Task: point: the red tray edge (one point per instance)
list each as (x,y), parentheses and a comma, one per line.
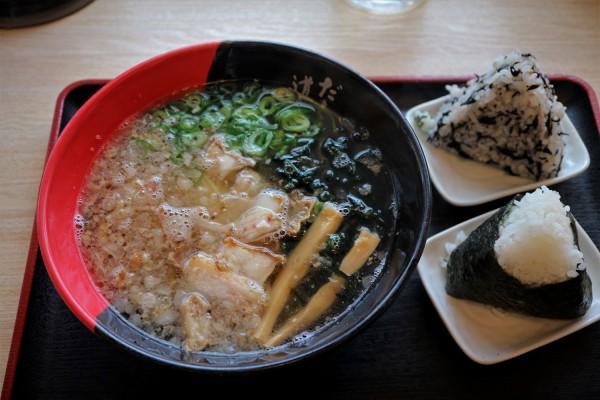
(15,346)
(591,94)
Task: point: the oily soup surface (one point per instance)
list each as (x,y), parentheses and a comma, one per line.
(191,213)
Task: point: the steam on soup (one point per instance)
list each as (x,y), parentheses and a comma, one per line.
(211,220)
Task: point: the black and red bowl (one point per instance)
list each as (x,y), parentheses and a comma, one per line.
(144,86)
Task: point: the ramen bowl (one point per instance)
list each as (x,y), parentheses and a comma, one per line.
(403,216)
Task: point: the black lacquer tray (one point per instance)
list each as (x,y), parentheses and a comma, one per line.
(407,353)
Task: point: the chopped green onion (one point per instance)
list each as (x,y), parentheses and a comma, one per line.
(295,122)
(283,138)
(316,210)
(245,110)
(226,108)
(211,117)
(163,118)
(188,124)
(195,139)
(144,144)
(194,102)
(257,143)
(262,123)
(284,94)
(297,107)
(267,105)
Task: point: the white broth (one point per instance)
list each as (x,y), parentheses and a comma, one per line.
(191,213)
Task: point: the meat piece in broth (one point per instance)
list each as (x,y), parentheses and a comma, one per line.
(299,210)
(248,181)
(219,162)
(256,263)
(275,200)
(195,312)
(178,222)
(230,207)
(221,285)
(190,230)
(258,224)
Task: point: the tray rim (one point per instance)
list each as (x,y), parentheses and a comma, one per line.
(33,251)
(591,94)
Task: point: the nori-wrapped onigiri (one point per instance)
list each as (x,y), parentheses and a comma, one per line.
(524,258)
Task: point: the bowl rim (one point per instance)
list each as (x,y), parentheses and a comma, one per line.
(87,311)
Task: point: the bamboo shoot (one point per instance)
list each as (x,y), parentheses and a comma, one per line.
(317,305)
(326,223)
(364,245)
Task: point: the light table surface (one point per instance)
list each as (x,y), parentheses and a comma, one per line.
(440,37)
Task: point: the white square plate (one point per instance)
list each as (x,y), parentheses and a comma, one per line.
(487,334)
(465,182)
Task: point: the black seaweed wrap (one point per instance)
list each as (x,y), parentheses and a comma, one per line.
(474,274)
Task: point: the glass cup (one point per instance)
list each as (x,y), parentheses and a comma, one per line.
(386,6)
(25,13)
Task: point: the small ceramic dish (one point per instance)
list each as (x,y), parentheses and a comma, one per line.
(489,335)
(464,182)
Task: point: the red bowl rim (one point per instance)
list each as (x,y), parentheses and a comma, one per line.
(60,186)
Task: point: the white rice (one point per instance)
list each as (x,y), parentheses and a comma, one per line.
(508,117)
(536,243)
(449,247)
